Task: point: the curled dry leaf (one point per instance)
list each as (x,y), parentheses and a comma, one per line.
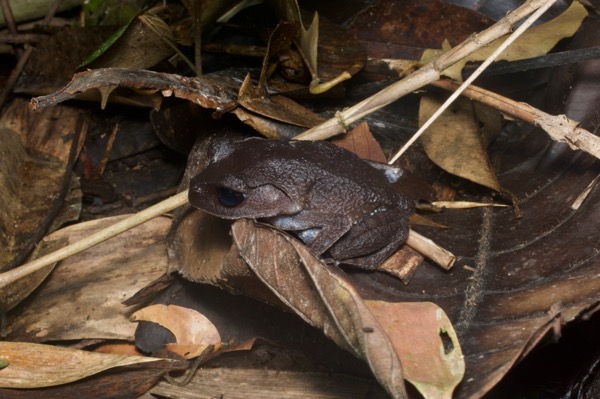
(277,107)
(323,297)
(192,330)
(216,91)
(37,366)
(257,245)
(330,53)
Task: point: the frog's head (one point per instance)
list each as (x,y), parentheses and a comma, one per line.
(239,184)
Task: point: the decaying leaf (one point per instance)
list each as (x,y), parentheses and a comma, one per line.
(308,42)
(216,91)
(277,107)
(37,366)
(360,141)
(323,297)
(192,330)
(12,294)
(454,142)
(140,44)
(425,340)
(100,279)
(34,167)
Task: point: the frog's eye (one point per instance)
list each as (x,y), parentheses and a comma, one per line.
(230,198)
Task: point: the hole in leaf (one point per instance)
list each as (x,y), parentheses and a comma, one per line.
(446,342)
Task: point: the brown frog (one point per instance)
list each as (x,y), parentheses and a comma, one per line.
(339,205)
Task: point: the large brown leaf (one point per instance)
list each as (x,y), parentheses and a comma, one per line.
(35,173)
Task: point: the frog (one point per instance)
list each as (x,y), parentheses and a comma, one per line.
(343,208)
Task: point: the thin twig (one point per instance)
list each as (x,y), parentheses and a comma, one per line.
(520,30)
(423,76)
(423,245)
(18,69)
(559,127)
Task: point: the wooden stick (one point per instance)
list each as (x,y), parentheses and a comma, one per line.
(423,76)
(509,40)
(431,250)
(425,246)
(100,236)
(559,127)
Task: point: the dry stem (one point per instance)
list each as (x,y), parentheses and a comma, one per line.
(94,239)
(425,246)
(559,127)
(425,75)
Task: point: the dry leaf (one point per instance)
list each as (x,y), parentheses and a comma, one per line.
(360,141)
(277,107)
(454,143)
(12,294)
(321,296)
(192,330)
(536,41)
(307,42)
(82,298)
(34,176)
(257,246)
(142,45)
(425,340)
(37,366)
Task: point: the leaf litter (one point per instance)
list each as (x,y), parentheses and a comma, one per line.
(487,297)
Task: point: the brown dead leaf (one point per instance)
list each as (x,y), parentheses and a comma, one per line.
(256,246)
(82,298)
(331,57)
(454,143)
(536,41)
(360,141)
(321,296)
(216,91)
(34,167)
(14,293)
(192,330)
(146,41)
(425,340)
(37,366)
(276,107)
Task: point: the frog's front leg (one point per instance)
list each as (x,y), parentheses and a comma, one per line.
(322,229)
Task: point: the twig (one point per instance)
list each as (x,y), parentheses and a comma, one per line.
(423,76)
(94,239)
(520,30)
(197,29)
(559,127)
(431,250)
(425,246)
(16,72)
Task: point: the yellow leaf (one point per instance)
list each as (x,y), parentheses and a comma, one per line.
(37,366)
